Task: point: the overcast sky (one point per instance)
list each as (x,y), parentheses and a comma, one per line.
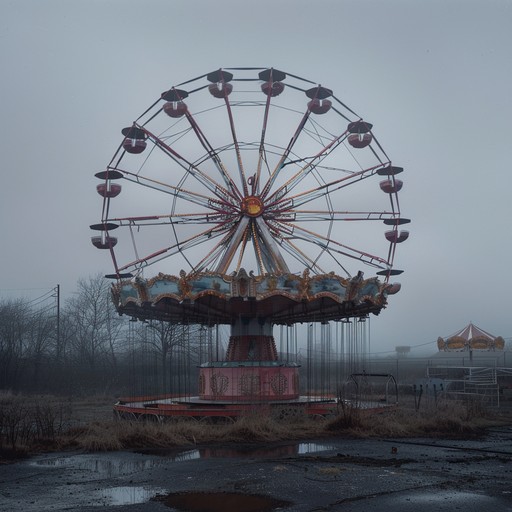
(434,76)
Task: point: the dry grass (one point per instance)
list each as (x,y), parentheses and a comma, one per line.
(448,419)
(88,425)
(118,435)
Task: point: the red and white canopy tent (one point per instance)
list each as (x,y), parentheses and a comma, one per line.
(470,337)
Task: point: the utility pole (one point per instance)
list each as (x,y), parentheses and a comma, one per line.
(57,295)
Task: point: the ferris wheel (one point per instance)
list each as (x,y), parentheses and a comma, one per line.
(250,168)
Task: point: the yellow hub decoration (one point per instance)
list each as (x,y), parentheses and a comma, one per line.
(252,206)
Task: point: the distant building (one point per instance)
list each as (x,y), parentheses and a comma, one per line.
(403,350)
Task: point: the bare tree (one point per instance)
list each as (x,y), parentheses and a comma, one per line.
(39,336)
(96,325)
(174,346)
(14,325)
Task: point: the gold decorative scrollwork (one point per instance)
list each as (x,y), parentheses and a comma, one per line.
(184,285)
(304,285)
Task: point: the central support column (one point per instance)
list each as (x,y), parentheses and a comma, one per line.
(252,371)
(251,340)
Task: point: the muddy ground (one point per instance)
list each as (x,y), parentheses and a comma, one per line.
(326,475)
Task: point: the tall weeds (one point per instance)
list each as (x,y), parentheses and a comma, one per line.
(26,422)
(29,424)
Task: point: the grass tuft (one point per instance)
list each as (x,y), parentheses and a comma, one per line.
(37,424)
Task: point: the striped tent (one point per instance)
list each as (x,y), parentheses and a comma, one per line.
(470,337)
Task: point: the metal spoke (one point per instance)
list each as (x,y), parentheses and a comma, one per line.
(230,251)
(272,258)
(237,147)
(219,204)
(285,155)
(327,188)
(190,168)
(322,216)
(256,180)
(329,244)
(214,156)
(216,253)
(172,250)
(309,166)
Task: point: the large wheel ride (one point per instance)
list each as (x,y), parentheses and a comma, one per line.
(269,196)
(250,168)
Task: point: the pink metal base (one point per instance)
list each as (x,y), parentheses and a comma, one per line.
(246,381)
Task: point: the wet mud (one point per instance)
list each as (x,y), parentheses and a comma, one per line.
(221,501)
(327,475)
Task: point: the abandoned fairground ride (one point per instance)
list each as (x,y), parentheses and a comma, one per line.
(275,197)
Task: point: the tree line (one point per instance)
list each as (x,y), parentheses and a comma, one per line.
(84,347)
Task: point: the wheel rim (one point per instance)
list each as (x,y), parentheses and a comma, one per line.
(250,168)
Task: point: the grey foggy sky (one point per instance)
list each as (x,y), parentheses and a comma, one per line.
(434,77)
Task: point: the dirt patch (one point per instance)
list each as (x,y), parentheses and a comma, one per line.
(221,502)
(362,461)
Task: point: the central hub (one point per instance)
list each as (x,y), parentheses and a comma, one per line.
(252,206)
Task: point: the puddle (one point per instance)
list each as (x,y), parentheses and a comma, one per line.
(125,495)
(107,465)
(187,455)
(222,502)
(457,499)
(304,448)
(249,451)
(114,464)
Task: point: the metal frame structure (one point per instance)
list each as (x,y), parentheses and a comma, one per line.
(262,160)
(260,169)
(466,382)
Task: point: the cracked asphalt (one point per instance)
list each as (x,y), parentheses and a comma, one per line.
(319,475)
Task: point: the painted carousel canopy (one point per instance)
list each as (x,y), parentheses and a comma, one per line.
(211,298)
(471,337)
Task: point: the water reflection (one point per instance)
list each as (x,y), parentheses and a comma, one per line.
(253,451)
(124,463)
(188,455)
(98,467)
(305,448)
(109,465)
(126,495)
